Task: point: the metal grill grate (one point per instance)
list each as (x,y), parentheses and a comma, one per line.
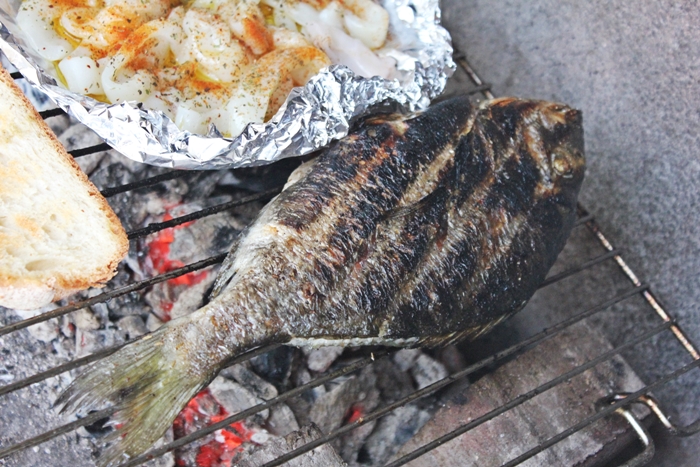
(618,402)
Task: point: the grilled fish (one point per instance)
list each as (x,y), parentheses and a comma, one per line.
(419,230)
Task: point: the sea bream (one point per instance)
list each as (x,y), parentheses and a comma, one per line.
(417,230)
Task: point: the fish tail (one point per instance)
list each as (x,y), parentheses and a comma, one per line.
(147,382)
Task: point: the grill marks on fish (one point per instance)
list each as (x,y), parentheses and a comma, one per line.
(333,220)
(436,220)
(416,286)
(367,174)
(508,222)
(431,301)
(423,230)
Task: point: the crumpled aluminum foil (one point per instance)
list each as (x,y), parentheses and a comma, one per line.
(313,115)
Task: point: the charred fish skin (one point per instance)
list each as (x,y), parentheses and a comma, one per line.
(317,230)
(463,258)
(419,230)
(514,204)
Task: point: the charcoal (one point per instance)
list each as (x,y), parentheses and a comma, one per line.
(451,358)
(131,327)
(88,342)
(162,297)
(261,178)
(202,184)
(40,100)
(97,429)
(173,191)
(85,320)
(134,207)
(211,406)
(225,235)
(155,203)
(192,298)
(127,304)
(301,406)
(167,459)
(176,301)
(153,322)
(405,358)
(59,123)
(79,137)
(63,348)
(181,245)
(5,376)
(67,326)
(130,304)
(330,410)
(45,331)
(319,360)
(393,431)
(110,175)
(349,444)
(235,398)
(346,402)
(275,366)
(242,374)
(217,231)
(102,313)
(245,213)
(130,268)
(426,371)
(323,456)
(281,421)
(392,383)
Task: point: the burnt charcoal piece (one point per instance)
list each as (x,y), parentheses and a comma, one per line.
(323,456)
(275,366)
(99,428)
(263,178)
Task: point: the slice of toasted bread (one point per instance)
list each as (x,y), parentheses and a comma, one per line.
(58,235)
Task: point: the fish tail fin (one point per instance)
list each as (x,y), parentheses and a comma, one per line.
(147,383)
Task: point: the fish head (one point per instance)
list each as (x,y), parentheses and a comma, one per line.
(561,139)
(551,133)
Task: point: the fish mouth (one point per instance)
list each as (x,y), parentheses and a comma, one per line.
(559,114)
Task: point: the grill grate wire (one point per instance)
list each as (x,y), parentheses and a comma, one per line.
(617,404)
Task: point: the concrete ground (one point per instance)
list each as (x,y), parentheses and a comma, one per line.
(634,69)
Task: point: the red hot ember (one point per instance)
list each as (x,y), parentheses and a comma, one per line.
(219,450)
(355,413)
(159,255)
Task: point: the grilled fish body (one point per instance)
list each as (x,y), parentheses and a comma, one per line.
(410,231)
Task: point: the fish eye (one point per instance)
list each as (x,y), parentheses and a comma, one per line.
(561,164)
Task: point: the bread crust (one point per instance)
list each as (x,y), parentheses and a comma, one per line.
(26,291)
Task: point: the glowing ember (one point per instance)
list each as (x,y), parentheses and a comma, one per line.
(159,254)
(355,413)
(158,248)
(218,450)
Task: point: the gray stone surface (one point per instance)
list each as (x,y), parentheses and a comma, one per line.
(633,68)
